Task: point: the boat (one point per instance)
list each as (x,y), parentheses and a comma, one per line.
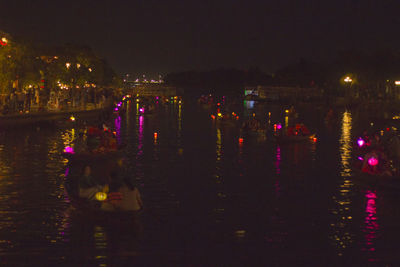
(92,208)
(295,138)
(380,180)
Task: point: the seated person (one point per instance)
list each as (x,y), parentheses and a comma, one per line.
(88,187)
(131,198)
(123,195)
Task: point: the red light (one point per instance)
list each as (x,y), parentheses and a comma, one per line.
(155,135)
(387,129)
(42,86)
(240,140)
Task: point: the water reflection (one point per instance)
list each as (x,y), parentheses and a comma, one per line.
(342,236)
(371,224)
(219,210)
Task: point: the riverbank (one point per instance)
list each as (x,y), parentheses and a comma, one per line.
(51,117)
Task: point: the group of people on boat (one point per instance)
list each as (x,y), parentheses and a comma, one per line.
(98,140)
(379,153)
(299,129)
(116,191)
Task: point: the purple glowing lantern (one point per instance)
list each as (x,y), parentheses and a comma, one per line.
(69,150)
(360,142)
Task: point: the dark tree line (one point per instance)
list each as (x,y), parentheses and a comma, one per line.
(372,73)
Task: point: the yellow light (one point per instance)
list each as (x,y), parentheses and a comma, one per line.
(72,118)
(4,39)
(68,65)
(90,69)
(219,115)
(397,82)
(287,111)
(137,100)
(101,196)
(78,65)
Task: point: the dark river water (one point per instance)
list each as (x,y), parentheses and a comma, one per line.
(209,200)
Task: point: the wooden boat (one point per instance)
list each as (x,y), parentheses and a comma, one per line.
(380,180)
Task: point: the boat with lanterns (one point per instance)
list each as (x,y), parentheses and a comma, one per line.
(293,134)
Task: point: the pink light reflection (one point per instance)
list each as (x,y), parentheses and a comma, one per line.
(278,160)
(371,224)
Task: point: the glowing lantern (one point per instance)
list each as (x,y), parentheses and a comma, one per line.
(137,100)
(360,158)
(155,135)
(101,196)
(240,140)
(72,118)
(219,115)
(279,126)
(141,110)
(286,111)
(315,139)
(373,161)
(69,150)
(213,117)
(360,142)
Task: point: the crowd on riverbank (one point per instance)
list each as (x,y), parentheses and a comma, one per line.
(31,100)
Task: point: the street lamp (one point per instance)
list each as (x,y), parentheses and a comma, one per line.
(348,79)
(3,41)
(67,65)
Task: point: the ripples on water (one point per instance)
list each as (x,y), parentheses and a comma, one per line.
(210,198)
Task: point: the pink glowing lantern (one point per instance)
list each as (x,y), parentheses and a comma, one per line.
(279,126)
(69,150)
(373,161)
(360,142)
(141,110)
(360,158)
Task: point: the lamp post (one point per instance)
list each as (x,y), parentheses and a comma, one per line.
(397,85)
(348,81)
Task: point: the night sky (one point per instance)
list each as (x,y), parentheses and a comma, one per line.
(161,36)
